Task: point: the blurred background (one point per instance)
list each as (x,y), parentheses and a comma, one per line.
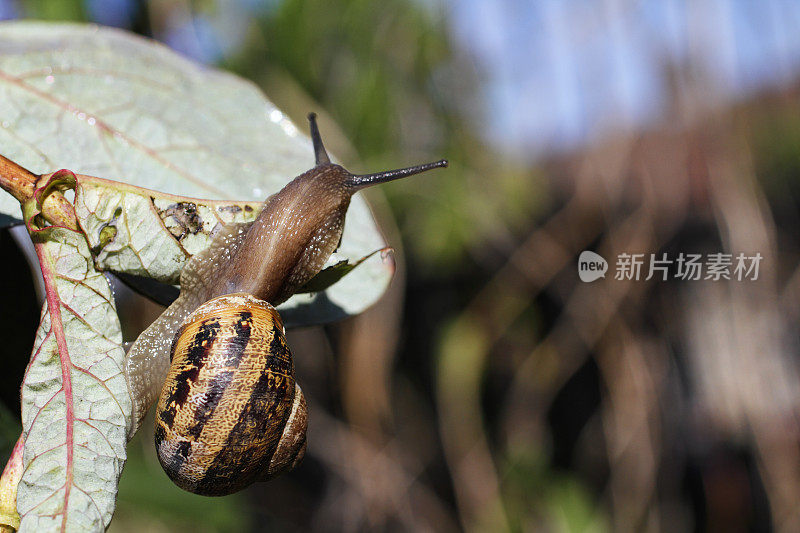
(491,389)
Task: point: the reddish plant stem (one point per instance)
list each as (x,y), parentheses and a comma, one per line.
(21,183)
(54,307)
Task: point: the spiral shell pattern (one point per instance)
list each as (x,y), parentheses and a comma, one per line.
(229,399)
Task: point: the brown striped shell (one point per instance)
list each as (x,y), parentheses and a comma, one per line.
(230,412)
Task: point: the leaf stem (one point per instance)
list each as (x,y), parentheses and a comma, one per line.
(54,304)
(16,180)
(23,185)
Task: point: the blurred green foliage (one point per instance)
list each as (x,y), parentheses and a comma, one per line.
(562,501)
(50,10)
(366,62)
(775,139)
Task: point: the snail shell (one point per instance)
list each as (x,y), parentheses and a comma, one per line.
(230,412)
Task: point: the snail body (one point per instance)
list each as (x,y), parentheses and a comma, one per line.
(229,412)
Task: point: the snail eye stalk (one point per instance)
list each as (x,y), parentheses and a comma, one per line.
(320,154)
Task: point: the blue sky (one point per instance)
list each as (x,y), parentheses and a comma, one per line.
(560,72)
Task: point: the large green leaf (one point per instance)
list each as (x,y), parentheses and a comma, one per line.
(75,401)
(102,102)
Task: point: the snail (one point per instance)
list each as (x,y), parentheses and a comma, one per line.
(229,412)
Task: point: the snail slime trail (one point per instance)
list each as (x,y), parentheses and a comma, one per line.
(229,411)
